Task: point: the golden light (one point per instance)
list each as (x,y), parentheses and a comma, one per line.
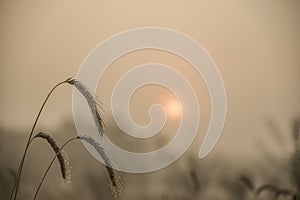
(173,109)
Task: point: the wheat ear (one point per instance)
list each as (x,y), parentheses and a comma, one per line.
(57,151)
(113,174)
(91,103)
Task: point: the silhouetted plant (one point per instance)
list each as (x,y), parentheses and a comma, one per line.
(113,174)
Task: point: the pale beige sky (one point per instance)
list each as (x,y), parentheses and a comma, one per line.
(255,44)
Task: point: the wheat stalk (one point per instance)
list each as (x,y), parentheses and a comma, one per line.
(20,168)
(93,108)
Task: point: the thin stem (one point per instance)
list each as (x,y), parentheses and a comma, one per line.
(20,168)
(51,163)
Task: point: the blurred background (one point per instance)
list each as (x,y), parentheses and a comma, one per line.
(255,45)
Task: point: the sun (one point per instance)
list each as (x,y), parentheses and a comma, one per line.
(173,109)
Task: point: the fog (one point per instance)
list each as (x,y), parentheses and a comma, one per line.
(255,45)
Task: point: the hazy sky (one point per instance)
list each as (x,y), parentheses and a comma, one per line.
(255,44)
